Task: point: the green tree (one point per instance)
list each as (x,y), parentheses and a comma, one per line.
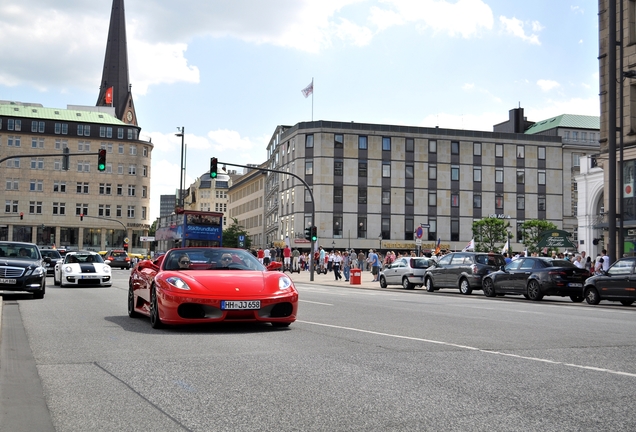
(490,234)
(232,233)
(531,229)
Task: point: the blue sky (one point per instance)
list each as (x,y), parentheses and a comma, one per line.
(230,71)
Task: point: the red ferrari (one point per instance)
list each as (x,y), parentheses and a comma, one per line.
(204,284)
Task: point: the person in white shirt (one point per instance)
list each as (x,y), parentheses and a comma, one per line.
(606,260)
(578,261)
(266,257)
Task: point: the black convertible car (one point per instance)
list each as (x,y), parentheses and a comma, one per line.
(536,277)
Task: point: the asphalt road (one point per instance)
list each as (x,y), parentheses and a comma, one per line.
(357,359)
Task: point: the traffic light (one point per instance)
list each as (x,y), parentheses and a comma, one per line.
(314,234)
(65,159)
(82,216)
(213,167)
(101,160)
(21,215)
(308,233)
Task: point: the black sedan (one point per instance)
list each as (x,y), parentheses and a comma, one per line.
(21,269)
(618,283)
(536,277)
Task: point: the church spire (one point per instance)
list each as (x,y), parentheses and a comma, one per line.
(115,88)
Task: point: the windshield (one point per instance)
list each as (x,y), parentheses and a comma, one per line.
(83,258)
(19,250)
(211,259)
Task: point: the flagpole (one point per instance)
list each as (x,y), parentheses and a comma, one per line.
(312,99)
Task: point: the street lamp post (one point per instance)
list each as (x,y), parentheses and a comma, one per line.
(182,135)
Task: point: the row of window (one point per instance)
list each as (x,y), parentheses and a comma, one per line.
(82,146)
(409,199)
(81,187)
(59,209)
(409,172)
(38,126)
(409,228)
(363,142)
(82,166)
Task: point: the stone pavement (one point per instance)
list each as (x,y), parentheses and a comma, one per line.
(329,279)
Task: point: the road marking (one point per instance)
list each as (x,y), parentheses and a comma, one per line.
(313,302)
(466,347)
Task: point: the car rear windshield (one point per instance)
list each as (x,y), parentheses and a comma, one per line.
(491,260)
(119,254)
(420,263)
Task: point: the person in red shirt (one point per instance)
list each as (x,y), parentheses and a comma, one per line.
(287,259)
(260,254)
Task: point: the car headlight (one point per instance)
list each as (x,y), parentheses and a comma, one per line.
(284,283)
(177,283)
(35,271)
(106,268)
(68,269)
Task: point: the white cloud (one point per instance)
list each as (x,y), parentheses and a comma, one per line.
(547,85)
(515,27)
(464,17)
(551,108)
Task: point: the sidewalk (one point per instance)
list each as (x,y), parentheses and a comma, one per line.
(329,279)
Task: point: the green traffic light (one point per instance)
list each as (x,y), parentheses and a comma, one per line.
(101,167)
(213,174)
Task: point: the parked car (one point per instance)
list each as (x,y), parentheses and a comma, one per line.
(463,270)
(536,277)
(81,268)
(618,283)
(405,271)
(21,269)
(198,285)
(50,257)
(118,259)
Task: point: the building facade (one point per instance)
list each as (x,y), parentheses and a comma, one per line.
(246,197)
(373,185)
(79,207)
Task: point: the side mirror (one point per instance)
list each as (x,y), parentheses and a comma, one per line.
(274,266)
(107,262)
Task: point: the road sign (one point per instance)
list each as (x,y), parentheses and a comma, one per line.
(425,225)
(146,238)
(418,242)
(418,232)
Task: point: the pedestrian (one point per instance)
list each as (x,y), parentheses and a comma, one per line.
(361,260)
(606,260)
(260,255)
(322,256)
(266,256)
(296,260)
(337,260)
(598,267)
(588,264)
(578,261)
(374,263)
(287,258)
(346,265)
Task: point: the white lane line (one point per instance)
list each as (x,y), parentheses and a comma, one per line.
(313,302)
(592,368)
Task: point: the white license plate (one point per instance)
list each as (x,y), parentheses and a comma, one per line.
(8,281)
(90,277)
(240,305)
(575,285)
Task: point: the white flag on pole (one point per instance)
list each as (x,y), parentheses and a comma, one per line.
(470,245)
(309,89)
(506,247)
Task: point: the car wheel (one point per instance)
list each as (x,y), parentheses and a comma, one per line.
(534,291)
(429,285)
(38,295)
(591,296)
(382,282)
(406,284)
(488,288)
(627,302)
(131,303)
(155,320)
(464,287)
(280,324)
(577,298)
